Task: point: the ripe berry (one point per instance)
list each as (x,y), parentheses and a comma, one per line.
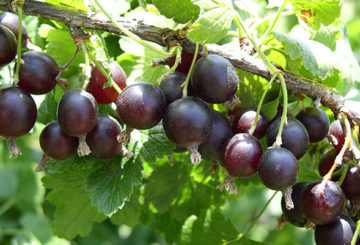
(38,73)
(351,183)
(17,115)
(242,155)
(102,140)
(185,64)
(141,105)
(336,134)
(326,162)
(56,144)
(171,86)
(97,80)
(213,148)
(11,21)
(77,115)
(340,231)
(7,46)
(187,121)
(245,119)
(295,215)
(322,204)
(316,123)
(214,79)
(294,136)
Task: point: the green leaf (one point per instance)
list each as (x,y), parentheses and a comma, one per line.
(213,23)
(170,9)
(112,185)
(209,228)
(270,108)
(74,214)
(8,181)
(48,109)
(38,225)
(317,12)
(76,4)
(151,144)
(328,35)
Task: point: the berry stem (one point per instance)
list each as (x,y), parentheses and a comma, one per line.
(259,215)
(63,68)
(356,234)
(173,68)
(87,67)
(228,185)
(105,74)
(186,83)
(18,56)
(195,155)
(262,21)
(252,129)
(343,175)
(287,196)
(135,37)
(283,119)
(41,166)
(14,150)
(83,148)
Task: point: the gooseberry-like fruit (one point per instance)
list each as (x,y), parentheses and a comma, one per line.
(242,155)
(322,204)
(8,46)
(316,123)
(294,136)
(213,148)
(171,86)
(214,79)
(97,80)
(340,231)
(351,183)
(245,118)
(37,73)
(11,21)
(336,134)
(17,115)
(185,64)
(141,105)
(295,215)
(188,122)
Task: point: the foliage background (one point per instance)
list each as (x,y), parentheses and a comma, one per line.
(25,214)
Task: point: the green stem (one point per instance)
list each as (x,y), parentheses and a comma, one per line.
(105,74)
(356,234)
(186,83)
(269,30)
(87,68)
(18,62)
(283,119)
(133,36)
(252,129)
(6,206)
(259,215)
(173,68)
(343,175)
(262,21)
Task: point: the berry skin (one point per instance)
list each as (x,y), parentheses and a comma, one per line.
(17,112)
(102,140)
(294,136)
(242,155)
(8,46)
(326,162)
(295,216)
(171,86)
(141,105)
(185,64)
(214,79)
(56,144)
(336,133)
(11,21)
(38,73)
(340,231)
(322,204)
(245,119)
(97,81)
(278,168)
(213,148)
(351,183)
(77,112)
(316,123)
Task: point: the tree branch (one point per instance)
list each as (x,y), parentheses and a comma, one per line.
(165,37)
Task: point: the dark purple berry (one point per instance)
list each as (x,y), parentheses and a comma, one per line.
(338,232)
(351,183)
(242,155)
(77,112)
(102,140)
(171,86)
(56,144)
(316,123)
(8,46)
(37,73)
(326,162)
(322,204)
(336,134)
(141,105)
(213,148)
(294,136)
(185,64)
(214,79)
(11,21)
(245,119)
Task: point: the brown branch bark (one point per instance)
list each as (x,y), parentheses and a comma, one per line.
(166,37)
